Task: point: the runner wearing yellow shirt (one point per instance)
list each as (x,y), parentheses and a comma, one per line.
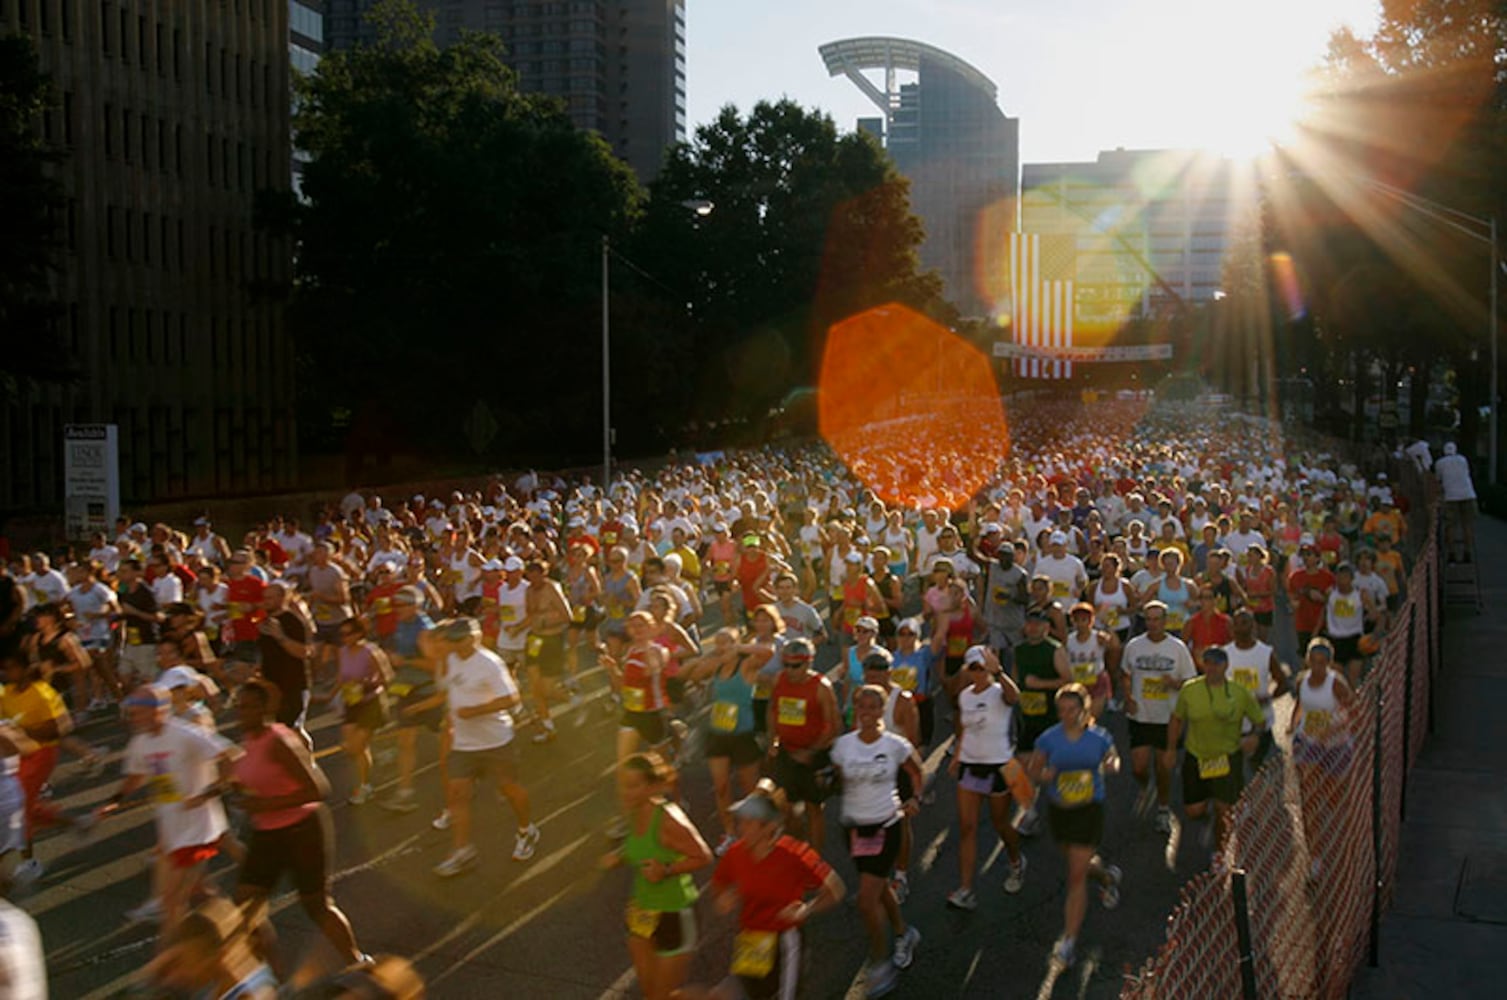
(1211,709)
(32,706)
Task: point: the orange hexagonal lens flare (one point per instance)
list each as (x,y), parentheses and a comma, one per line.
(911,407)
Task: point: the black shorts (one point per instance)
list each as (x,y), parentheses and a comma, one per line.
(431,718)
(887,627)
(741,748)
(983,779)
(904,785)
(547,652)
(1347,649)
(650,725)
(290,706)
(370,714)
(589,621)
(1030,728)
(477,765)
(1224,789)
(1082,826)
(1148,734)
(722,587)
(951,665)
(880,863)
(303,850)
(675,689)
(804,782)
(761,715)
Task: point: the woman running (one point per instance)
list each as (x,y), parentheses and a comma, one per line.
(767,877)
(731,743)
(1321,743)
(1070,760)
(662,849)
(871,760)
(291,830)
(361,682)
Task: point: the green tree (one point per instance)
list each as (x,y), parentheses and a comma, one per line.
(809,227)
(447,247)
(31,204)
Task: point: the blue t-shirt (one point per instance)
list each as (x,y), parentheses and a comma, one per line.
(912,671)
(1080,779)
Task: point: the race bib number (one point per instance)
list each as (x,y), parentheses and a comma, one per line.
(753,953)
(1247,678)
(1086,674)
(722,570)
(1059,588)
(792,712)
(1317,723)
(635,699)
(641,923)
(614,610)
(1112,618)
(133,635)
(1214,767)
(382,605)
(535,645)
(1344,609)
(1001,595)
(507,613)
(860,846)
(724,716)
(957,645)
(237,610)
(1176,620)
(400,690)
(324,614)
(1033,702)
(850,616)
(164,789)
(1154,689)
(578,614)
(1330,557)
(905,677)
(609,538)
(352,692)
(1075,788)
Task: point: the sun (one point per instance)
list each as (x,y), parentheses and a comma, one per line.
(1256,115)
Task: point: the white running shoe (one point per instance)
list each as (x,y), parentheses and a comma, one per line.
(1146,800)
(1163,820)
(401,802)
(28,872)
(962,899)
(459,860)
(1064,953)
(1109,895)
(1017,877)
(149,912)
(525,843)
(361,796)
(905,947)
(442,821)
(880,979)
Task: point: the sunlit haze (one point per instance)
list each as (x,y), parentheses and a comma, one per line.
(1082,75)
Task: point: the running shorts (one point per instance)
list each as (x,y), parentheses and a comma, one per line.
(1082,826)
(302,849)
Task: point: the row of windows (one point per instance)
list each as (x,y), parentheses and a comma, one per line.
(165,242)
(155,145)
(161,336)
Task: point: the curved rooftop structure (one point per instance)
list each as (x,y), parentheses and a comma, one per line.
(850,56)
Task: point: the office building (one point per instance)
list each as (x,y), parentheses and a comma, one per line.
(618,65)
(305,46)
(947,135)
(170,116)
(1151,227)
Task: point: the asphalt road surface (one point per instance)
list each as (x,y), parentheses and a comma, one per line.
(552,927)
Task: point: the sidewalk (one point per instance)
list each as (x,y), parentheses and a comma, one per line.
(1446,933)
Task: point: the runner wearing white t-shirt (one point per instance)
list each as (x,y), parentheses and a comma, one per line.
(1154,668)
(480,695)
(183,769)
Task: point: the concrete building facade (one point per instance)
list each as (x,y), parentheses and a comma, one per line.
(947,135)
(1152,227)
(170,116)
(618,65)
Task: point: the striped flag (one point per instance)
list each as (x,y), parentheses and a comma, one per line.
(1042,269)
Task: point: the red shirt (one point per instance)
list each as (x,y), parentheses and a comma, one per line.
(244,596)
(768,885)
(750,568)
(1208,629)
(1308,614)
(276,554)
(800,719)
(379,601)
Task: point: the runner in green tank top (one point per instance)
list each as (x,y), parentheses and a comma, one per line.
(662,850)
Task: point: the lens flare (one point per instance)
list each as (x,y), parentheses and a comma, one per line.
(1285,281)
(911,407)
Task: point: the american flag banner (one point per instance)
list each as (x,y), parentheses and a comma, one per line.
(1042,269)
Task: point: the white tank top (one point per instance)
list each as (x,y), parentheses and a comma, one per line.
(889,708)
(1086,657)
(1252,670)
(510,611)
(1345,614)
(464,576)
(1110,608)
(1317,708)
(987,737)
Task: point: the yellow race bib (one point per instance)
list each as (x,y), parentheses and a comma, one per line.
(1214,767)
(535,644)
(164,789)
(1075,788)
(507,614)
(635,699)
(1247,678)
(382,606)
(1112,618)
(791,712)
(1176,620)
(905,677)
(641,923)
(753,953)
(724,716)
(352,692)
(400,690)
(1344,609)
(1086,674)
(1316,723)
(1059,588)
(578,614)
(1033,702)
(1154,689)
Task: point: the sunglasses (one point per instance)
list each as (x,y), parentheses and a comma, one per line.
(974,667)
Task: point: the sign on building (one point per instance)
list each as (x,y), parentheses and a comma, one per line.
(91,478)
(1142,352)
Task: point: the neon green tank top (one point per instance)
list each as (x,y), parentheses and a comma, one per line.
(674,893)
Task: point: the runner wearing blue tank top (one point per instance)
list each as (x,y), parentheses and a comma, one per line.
(731,743)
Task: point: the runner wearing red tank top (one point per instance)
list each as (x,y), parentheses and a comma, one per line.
(804,719)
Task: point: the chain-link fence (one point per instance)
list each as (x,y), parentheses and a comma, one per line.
(1290,907)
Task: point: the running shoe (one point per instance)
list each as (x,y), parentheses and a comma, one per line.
(83,825)
(1028,823)
(401,801)
(385,756)
(724,844)
(1164,820)
(442,821)
(1063,954)
(546,733)
(1146,800)
(28,872)
(962,899)
(1109,893)
(149,912)
(361,796)
(900,886)
(905,947)
(459,860)
(1017,876)
(525,843)
(880,979)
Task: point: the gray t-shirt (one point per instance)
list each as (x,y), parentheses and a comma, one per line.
(801,620)
(1004,602)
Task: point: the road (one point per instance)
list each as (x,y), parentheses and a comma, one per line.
(552,927)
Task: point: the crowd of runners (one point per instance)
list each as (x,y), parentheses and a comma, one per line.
(816,641)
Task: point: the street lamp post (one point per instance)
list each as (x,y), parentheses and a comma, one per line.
(1462,222)
(701,208)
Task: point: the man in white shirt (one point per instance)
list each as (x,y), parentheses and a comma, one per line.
(184,769)
(1155,666)
(207,545)
(1066,572)
(1459,503)
(1238,542)
(47,585)
(479,695)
